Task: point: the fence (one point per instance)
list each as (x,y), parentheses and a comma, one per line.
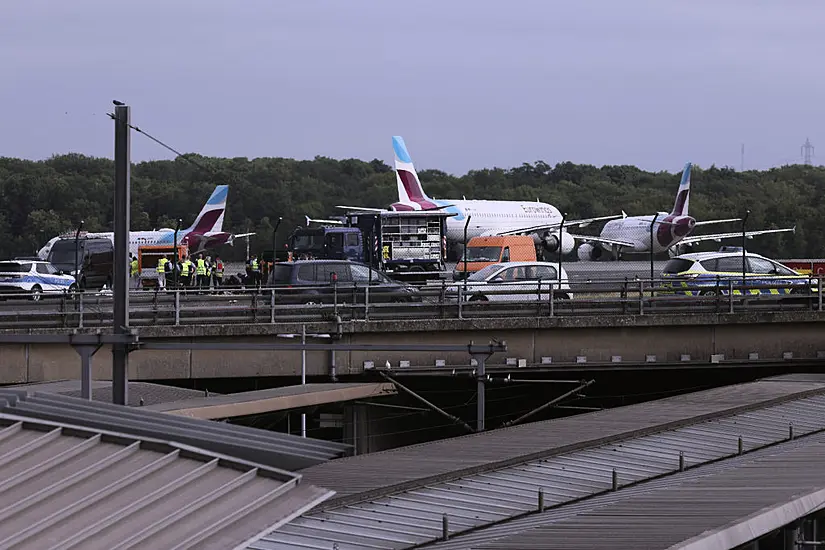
(438,301)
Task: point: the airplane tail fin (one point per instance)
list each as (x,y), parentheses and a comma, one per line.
(410,190)
(680,207)
(211,215)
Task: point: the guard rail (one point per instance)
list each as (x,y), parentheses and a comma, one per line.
(445,301)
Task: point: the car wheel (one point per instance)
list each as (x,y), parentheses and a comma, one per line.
(37,292)
(73,288)
(708,293)
(563,296)
(479,298)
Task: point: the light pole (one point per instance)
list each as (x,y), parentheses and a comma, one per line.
(274,234)
(652,225)
(176,259)
(304,336)
(744,237)
(76,254)
(561,243)
(466,225)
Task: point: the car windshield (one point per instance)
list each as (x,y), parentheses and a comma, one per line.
(483,254)
(307,242)
(10,267)
(483,274)
(677,265)
(63,252)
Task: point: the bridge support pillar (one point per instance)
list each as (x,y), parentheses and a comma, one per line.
(86,352)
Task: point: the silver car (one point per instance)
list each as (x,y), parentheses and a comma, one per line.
(514,281)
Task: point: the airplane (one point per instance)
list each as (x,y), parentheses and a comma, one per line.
(205,232)
(542,221)
(671,232)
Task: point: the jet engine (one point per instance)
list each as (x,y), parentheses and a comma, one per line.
(550,241)
(588,252)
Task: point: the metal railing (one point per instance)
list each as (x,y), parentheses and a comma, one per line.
(348,302)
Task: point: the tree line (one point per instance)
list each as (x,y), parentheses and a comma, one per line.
(41,199)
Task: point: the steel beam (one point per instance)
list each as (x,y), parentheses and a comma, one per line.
(550,403)
(434,407)
(230,346)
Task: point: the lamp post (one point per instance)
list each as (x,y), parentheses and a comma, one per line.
(652,225)
(176,259)
(744,237)
(274,235)
(561,243)
(466,225)
(304,337)
(77,254)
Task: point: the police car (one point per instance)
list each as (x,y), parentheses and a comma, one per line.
(33,278)
(710,273)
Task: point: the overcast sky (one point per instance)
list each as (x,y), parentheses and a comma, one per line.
(468,83)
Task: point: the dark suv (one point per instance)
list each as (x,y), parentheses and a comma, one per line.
(94,257)
(319,280)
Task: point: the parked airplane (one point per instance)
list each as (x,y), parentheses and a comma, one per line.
(487,217)
(205,232)
(671,232)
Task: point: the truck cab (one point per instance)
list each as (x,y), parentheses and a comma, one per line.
(329,243)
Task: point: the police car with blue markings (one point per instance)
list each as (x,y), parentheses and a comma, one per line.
(711,273)
(33,278)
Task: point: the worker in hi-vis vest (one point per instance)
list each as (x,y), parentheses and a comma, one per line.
(162,271)
(134,271)
(186,272)
(200,271)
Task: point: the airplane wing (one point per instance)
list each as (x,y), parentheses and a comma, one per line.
(361,208)
(328,222)
(568,223)
(238,235)
(720,236)
(602,240)
(709,222)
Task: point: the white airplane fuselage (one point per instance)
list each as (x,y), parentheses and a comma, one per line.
(667,231)
(490,217)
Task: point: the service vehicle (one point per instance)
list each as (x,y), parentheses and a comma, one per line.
(148,256)
(481,252)
(513,281)
(93,257)
(711,273)
(407,246)
(305,281)
(34,279)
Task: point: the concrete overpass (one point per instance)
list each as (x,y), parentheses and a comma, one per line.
(549,343)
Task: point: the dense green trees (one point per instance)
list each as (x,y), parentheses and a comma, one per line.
(41,199)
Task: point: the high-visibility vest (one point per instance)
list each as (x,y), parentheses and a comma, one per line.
(184,268)
(134,267)
(201,267)
(162,265)
(254,264)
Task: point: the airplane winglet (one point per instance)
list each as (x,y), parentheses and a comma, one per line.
(307,219)
(624,214)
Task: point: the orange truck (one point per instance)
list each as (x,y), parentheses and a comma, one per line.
(483,251)
(148,257)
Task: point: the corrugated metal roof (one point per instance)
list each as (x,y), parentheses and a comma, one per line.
(69,487)
(269,448)
(150,393)
(414,516)
(362,476)
(721,505)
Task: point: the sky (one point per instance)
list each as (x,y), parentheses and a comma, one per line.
(469,84)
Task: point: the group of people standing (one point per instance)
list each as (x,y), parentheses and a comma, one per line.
(201,273)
